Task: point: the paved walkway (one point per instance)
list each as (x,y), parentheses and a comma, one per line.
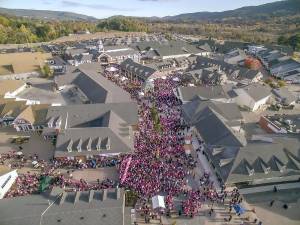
(204,166)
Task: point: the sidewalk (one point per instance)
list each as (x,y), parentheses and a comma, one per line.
(204,166)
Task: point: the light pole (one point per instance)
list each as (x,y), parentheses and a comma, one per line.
(49,207)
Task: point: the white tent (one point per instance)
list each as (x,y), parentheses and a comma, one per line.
(158,201)
(124,78)
(111,69)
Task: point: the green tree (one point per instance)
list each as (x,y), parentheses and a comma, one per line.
(46,71)
(294,42)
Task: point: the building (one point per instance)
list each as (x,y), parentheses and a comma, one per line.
(253,97)
(235,57)
(284,97)
(137,71)
(219,93)
(92,85)
(208,76)
(84,208)
(117,54)
(215,123)
(280,124)
(247,76)
(84,131)
(9,110)
(31,119)
(58,65)
(169,49)
(283,68)
(264,161)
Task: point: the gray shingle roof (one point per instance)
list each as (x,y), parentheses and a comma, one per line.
(95,86)
(28,210)
(286,97)
(169,48)
(212,121)
(141,71)
(192,110)
(104,124)
(277,160)
(257,91)
(204,92)
(214,130)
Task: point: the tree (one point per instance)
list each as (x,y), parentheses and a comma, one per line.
(47,71)
(294,42)
(281,83)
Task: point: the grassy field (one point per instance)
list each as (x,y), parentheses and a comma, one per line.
(22,62)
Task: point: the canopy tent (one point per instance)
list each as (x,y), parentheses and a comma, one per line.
(111,69)
(239,209)
(44,183)
(124,78)
(158,201)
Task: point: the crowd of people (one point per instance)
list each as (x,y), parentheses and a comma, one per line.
(29,183)
(159,163)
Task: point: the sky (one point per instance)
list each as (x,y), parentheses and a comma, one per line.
(107,8)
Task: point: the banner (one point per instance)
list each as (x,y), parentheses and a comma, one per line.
(124,176)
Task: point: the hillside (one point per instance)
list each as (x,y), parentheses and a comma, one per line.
(46,14)
(275,9)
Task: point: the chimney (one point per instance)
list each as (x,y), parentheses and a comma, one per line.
(104,194)
(91,195)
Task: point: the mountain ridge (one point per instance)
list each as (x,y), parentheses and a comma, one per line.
(278,8)
(46,14)
(274,9)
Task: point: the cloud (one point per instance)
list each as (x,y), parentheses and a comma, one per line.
(68,3)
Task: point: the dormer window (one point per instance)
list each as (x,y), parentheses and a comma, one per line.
(79,145)
(98,146)
(89,145)
(70,145)
(108,144)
